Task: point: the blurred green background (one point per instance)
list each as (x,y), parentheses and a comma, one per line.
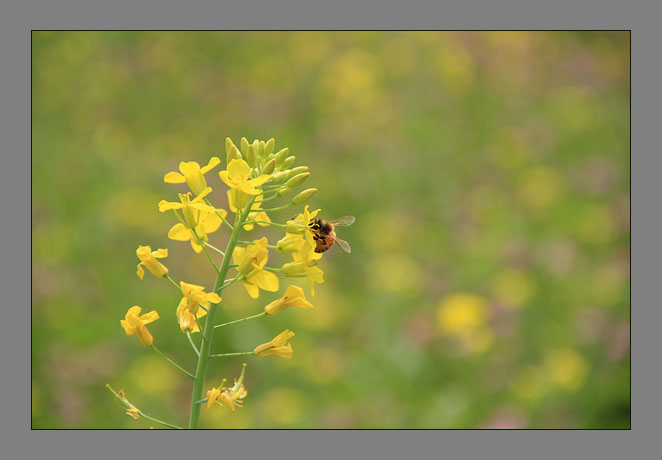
(488,285)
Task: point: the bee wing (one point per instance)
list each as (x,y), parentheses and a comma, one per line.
(344,221)
(344,245)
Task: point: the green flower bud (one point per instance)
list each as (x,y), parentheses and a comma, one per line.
(228,145)
(297,180)
(269,167)
(244,145)
(287,162)
(251,156)
(279,176)
(281,155)
(260,148)
(294,226)
(269,146)
(287,244)
(304,196)
(283,191)
(294,269)
(297,170)
(233,154)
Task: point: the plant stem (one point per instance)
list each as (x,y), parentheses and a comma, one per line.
(214,248)
(190,339)
(205,345)
(265,222)
(172,362)
(166,276)
(231,354)
(240,320)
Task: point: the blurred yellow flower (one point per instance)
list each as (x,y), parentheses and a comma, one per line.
(566,368)
(257,214)
(278,346)
(192,174)
(293,297)
(250,263)
(464,317)
(238,178)
(459,314)
(189,307)
(148,259)
(134,324)
(305,265)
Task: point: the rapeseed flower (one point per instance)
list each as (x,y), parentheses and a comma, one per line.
(293,297)
(189,309)
(278,346)
(134,324)
(305,265)
(242,187)
(230,396)
(250,263)
(148,259)
(192,174)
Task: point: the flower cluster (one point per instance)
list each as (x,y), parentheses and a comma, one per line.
(255,174)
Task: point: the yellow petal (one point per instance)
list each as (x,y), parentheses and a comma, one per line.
(174,178)
(215,161)
(160,253)
(149,317)
(238,254)
(212,222)
(189,168)
(266,280)
(179,232)
(168,205)
(259,180)
(252,290)
(140,271)
(238,168)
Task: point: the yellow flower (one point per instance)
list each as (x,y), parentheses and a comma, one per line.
(304,265)
(208,223)
(257,214)
(148,259)
(134,324)
(192,209)
(300,223)
(189,307)
(278,346)
(250,263)
(293,297)
(231,397)
(192,174)
(289,243)
(238,178)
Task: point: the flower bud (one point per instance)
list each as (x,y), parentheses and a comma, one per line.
(233,154)
(260,149)
(269,167)
(287,162)
(294,269)
(303,196)
(282,175)
(297,180)
(297,170)
(244,145)
(287,244)
(283,191)
(228,145)
(281,155)
(295,226)
(269,146)
(251,156)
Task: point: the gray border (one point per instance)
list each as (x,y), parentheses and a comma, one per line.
(17,20)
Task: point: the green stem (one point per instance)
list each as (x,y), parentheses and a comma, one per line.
(214,248)
(272,269)
(238,277)
(160,421)
(205,251)
(240,320)
(276,209)
(166,276)
(172,362)
(190,339)
(264,222)
(231,354)
(205,345)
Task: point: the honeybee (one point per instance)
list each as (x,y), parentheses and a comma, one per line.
(324,233)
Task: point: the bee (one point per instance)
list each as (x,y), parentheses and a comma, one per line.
(324,233)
